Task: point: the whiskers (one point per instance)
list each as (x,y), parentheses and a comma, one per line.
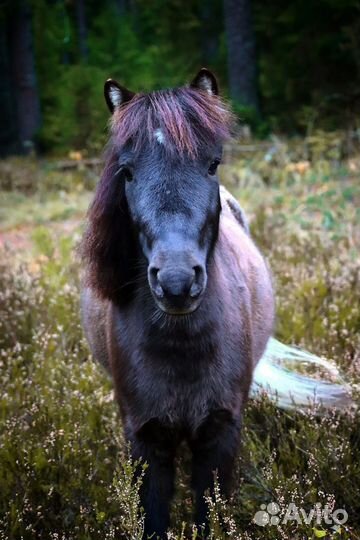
(153,315)
(166,321)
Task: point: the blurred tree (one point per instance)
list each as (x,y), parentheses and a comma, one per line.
(210,34)
(308,63)
(9,142)
(82,29)
(241,53)
(121,6)
(308,56)
(19,82)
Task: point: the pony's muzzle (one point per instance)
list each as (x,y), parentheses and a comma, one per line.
(177,289)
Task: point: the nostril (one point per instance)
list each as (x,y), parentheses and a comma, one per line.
(198,272)
(154,281)
(198,282)
(153,271)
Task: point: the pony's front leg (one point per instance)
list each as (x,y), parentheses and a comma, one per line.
(214,450)
(155,445)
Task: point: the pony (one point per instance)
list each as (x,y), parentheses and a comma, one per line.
(177,301)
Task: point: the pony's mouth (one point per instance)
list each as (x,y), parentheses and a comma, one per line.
(176,310)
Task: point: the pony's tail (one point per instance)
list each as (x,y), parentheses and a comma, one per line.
(280,374)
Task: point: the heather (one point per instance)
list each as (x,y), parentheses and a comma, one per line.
(65,472)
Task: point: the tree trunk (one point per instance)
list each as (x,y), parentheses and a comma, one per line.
(241,52)
(9,142)
(82,29)
(24,75)
(209,33)
(121,6)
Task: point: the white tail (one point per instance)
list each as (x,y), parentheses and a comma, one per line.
(276,375)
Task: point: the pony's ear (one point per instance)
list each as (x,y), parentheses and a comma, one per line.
(205,80)
(116,95)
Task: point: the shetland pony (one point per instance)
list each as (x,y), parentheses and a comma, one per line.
(177,301)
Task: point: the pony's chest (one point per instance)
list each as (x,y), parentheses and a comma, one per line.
(181,387)
(182,395)
(178,381)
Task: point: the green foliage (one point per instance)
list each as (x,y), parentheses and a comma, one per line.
(77,117)
(250,117)
(143,48)
(308,62)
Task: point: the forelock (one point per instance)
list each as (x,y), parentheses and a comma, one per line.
(182,120)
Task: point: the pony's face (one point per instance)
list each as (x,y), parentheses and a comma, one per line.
(175,205)
(160,183)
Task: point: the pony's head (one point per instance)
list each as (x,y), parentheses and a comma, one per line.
(157,204)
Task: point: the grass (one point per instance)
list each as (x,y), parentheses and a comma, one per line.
(41,209)
(64,469)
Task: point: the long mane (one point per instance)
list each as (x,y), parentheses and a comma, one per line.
(188,119)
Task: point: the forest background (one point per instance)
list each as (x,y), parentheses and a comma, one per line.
(289,67)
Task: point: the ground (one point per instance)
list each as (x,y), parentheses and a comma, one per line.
(64,471)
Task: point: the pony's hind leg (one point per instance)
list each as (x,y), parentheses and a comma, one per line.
(156,445)
(214,450)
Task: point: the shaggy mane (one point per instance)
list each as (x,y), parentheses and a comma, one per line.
(188,118)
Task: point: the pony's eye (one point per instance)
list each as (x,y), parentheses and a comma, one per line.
(126,173)
(213,167)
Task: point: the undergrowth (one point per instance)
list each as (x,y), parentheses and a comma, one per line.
(65,472)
